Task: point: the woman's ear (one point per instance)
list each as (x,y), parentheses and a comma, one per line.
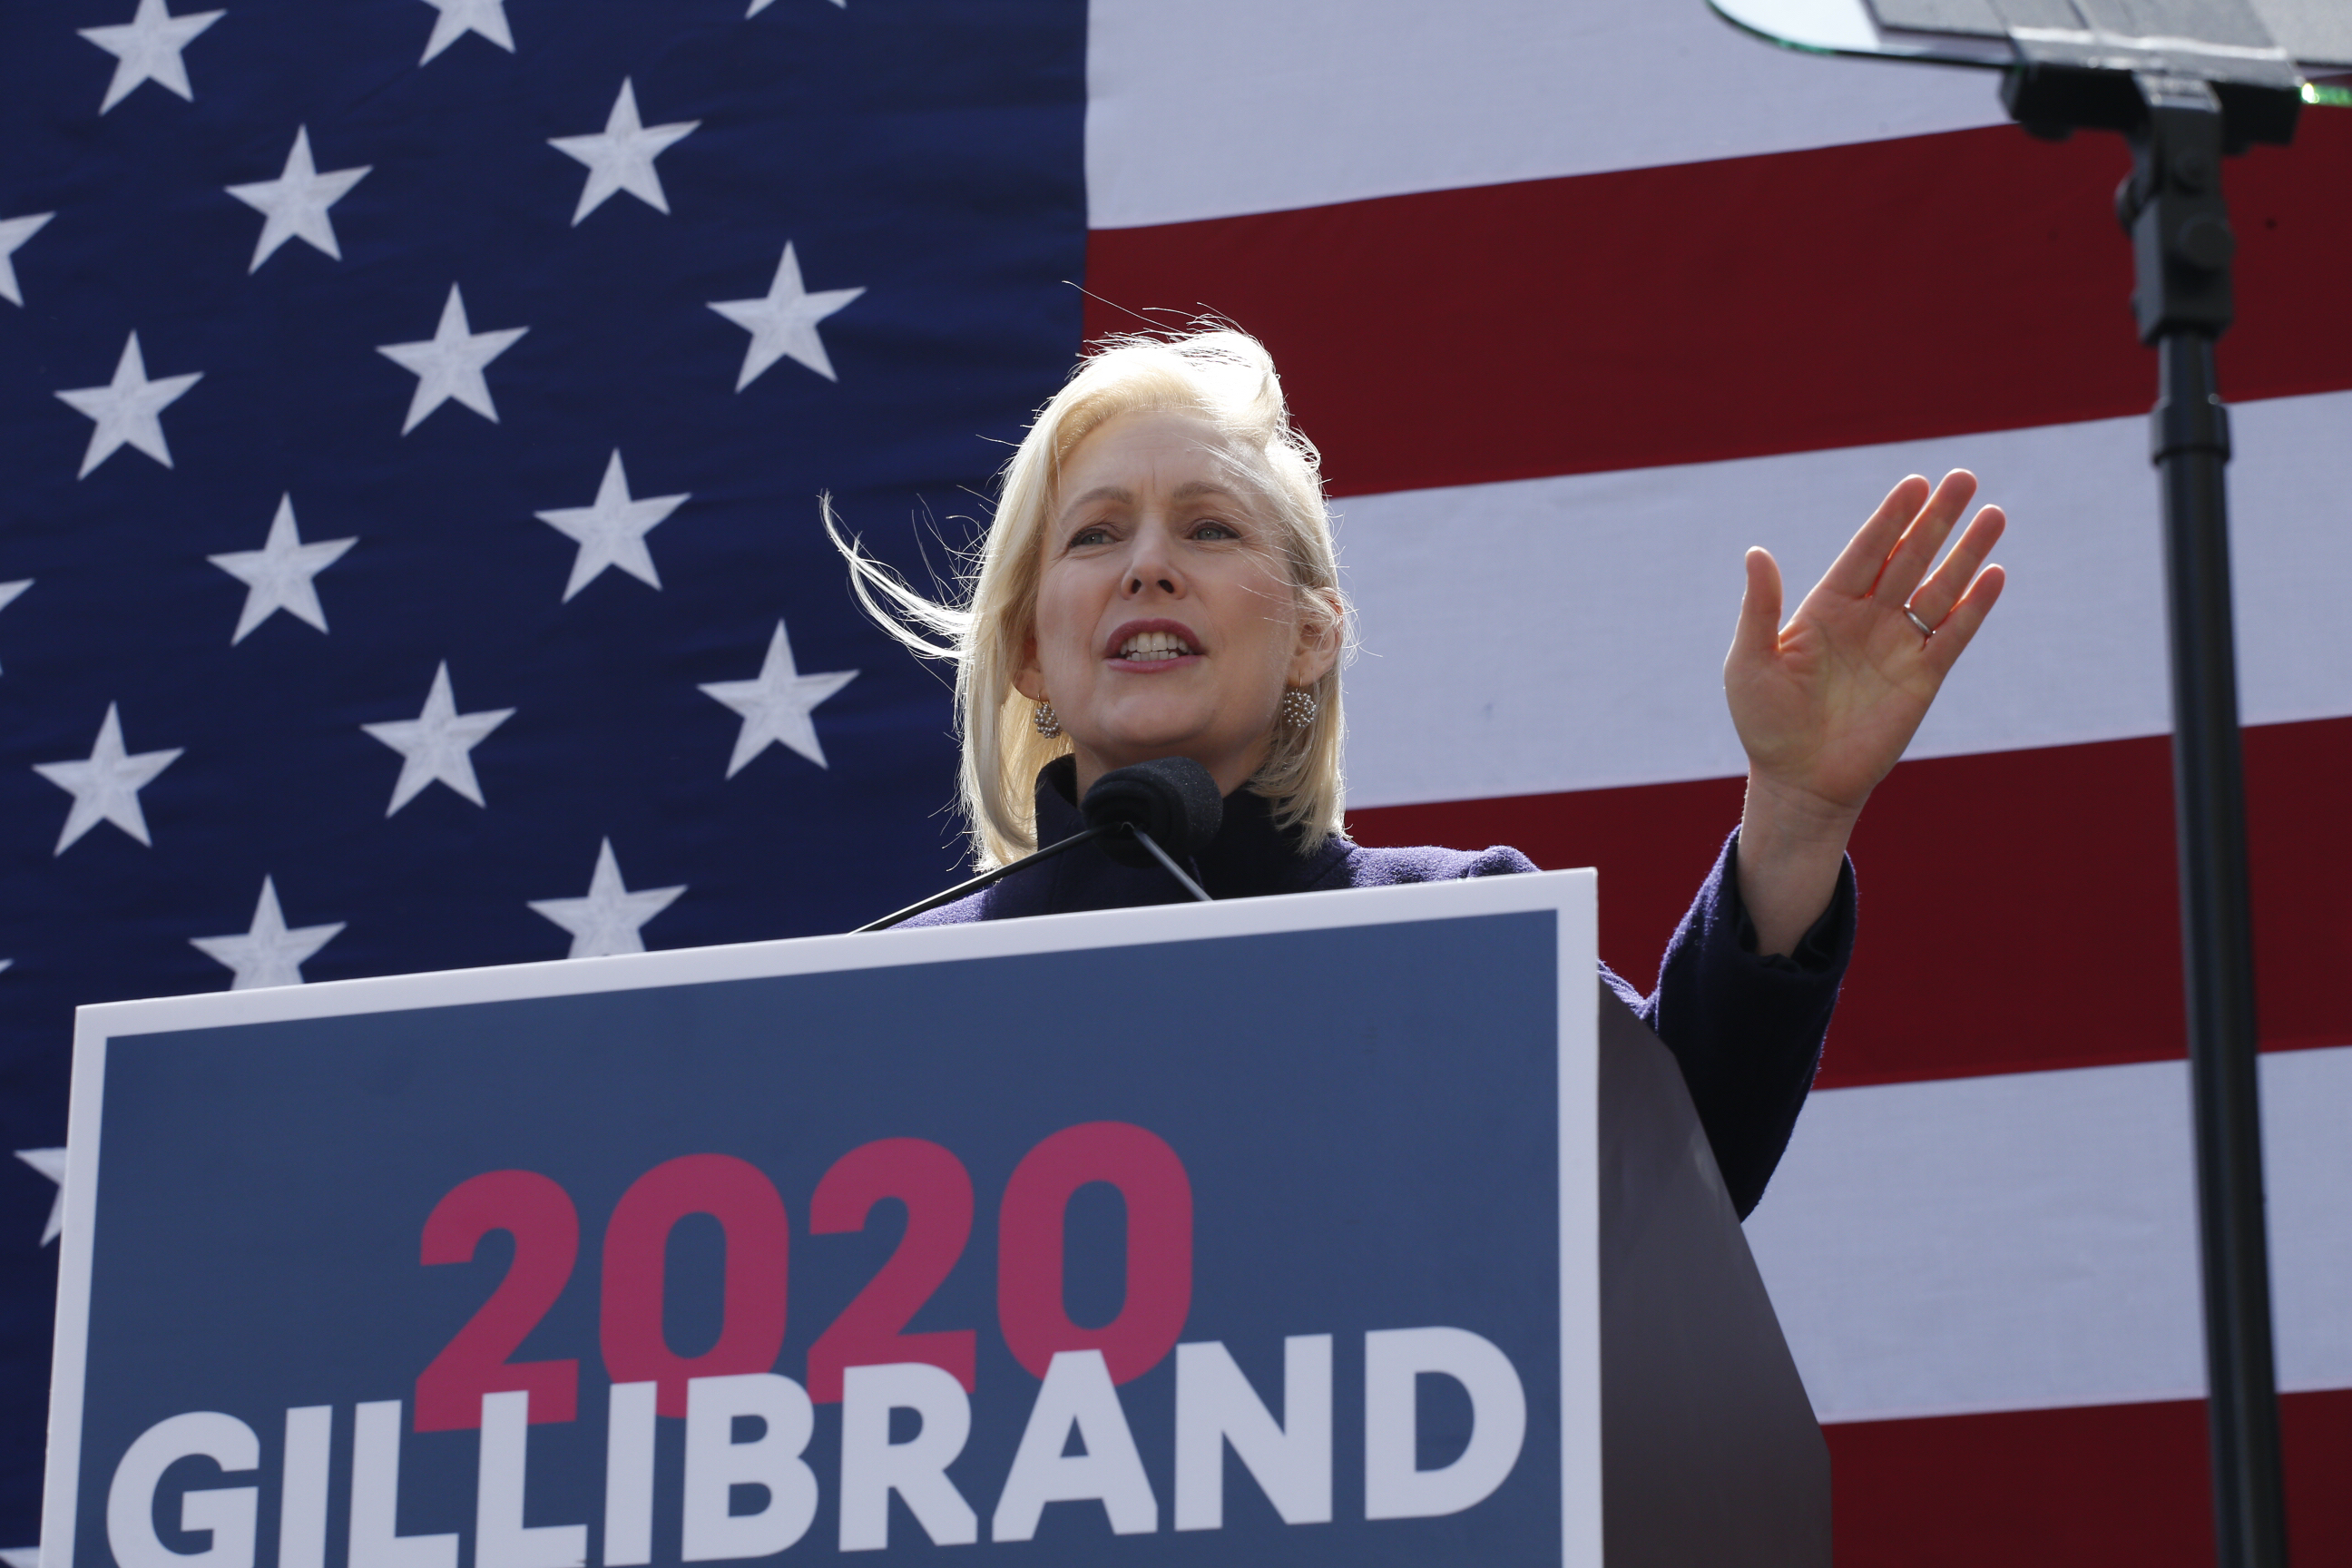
(1028,680)
(1320,625)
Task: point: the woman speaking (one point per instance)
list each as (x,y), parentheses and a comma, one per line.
(1161,581)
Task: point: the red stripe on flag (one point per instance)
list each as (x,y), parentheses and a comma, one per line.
(1890,291)
(2018,908)
(2117,1484)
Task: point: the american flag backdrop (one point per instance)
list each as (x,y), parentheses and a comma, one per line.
(414,410)
(414,420)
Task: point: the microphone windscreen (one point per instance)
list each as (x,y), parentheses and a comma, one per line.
(1171,798)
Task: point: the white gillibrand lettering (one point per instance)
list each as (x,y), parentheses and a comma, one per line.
(715,1463)
(873,1467)
(629,1476)
(502,1540)
(1393,1359)
(1291,1461)
(1077,1393)
(227,1513)
(302,1497)
(376,1540)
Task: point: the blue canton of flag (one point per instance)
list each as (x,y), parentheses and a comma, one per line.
(409,557)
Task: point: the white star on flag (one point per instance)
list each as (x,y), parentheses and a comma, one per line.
(436,743)
(294,205)
(14,232)
(8,592)
(127,409)
(106,785)
(267,953)
(278,576)
(50,1163)
(459,17)
(450,363)
(621,157)
(147,49)
(612,530)
(776,703)
(25,1556)
(608,920)
(785,322)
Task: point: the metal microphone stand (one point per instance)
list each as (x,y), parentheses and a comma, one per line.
(1183,878)
(2180,128)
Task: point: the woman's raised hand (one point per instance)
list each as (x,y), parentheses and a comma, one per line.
(1826,703)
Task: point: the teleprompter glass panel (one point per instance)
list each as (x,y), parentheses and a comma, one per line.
(2315,32)
(2254,40)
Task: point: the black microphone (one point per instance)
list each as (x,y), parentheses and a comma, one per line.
(1171,802)
(1132,811)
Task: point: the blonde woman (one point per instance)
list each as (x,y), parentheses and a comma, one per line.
(1161,581)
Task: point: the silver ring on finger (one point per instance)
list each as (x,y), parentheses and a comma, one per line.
(1913,617)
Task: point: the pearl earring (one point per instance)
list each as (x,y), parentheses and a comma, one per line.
(1298,709)
(1048,722)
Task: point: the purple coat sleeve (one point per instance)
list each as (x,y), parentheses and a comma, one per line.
(1747,1029)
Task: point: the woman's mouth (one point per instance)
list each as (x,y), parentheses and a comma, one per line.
(1153,645)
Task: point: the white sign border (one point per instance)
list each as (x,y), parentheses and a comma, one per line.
(1572,896)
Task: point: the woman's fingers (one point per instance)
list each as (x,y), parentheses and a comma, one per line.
(1952,636)
(1924,539)
(1934,599)
(1758,636)
(1859,564)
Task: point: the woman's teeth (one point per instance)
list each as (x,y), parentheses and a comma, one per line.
(1150,647)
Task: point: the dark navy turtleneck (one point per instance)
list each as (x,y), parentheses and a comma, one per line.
(1747,1029)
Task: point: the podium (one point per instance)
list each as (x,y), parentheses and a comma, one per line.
(1346,1227)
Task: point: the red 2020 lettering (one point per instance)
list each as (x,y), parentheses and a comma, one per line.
(936,1192)
(546,1229)
(1030,1248)
(636,1242)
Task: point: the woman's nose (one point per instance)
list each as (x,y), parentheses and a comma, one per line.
(1150,566)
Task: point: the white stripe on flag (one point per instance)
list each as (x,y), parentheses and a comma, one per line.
(2029,1241)
(1568,633)
(1219,107)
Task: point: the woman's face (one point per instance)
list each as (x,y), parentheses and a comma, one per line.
(1166,622)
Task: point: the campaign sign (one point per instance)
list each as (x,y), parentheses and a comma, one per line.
(1255,1232)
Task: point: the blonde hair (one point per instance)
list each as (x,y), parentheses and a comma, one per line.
(1225,377)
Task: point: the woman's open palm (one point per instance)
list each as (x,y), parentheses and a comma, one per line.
(1825,704)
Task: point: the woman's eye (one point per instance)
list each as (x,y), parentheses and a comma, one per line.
(1214,530)
(1090,536)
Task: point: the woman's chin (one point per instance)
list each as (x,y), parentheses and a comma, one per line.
(1119,745)
(1124,753)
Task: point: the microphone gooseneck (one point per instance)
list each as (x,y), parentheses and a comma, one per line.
(1131,812)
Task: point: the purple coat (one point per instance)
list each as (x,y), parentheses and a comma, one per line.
(1747,1029)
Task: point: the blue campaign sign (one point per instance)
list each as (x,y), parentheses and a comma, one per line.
(1251,1232)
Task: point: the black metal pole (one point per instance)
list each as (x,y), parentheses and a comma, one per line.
(2191,447)
(2181,126)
